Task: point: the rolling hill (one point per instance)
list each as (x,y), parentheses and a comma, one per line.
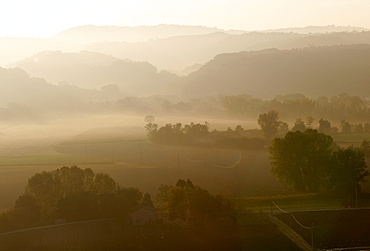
(91,33)
(177,52)
(316,71)
(93,70)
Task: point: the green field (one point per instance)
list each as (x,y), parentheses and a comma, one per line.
(351,139)
(117,146)
(52,159)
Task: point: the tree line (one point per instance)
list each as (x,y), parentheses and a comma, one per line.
(271,125)
(71,194)
(197,134)
(339,107)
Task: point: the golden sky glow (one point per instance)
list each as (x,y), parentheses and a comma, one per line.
(43,18)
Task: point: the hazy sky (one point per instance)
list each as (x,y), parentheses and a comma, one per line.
(43,18)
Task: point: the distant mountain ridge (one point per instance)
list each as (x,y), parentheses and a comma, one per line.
(176,47)
(316,71)
(319,29)
(176,53)
(92,34)
(93,70)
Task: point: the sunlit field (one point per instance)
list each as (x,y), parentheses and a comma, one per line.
(138,126)
(117,145)
(351,139)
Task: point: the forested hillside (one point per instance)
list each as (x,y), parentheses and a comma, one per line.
(177,52)
(318,71)
(94,70)
(26,98)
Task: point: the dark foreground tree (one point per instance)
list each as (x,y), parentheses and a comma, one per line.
(147,200)
(74,194)
(348,169)
(189,202)
(300,159)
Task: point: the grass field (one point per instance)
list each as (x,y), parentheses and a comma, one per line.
(51,159)
(351,139)
(117,145)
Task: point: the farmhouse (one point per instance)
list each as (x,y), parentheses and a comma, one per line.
(143,216)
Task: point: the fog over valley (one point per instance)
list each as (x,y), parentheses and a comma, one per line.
(205,125)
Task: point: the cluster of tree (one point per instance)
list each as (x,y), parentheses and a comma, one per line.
(177,133)
(342,106)
(192,203)
(354,128)
(199,135)
(326,127)
(272,126)
(71,194)
(309,161)
(365,147)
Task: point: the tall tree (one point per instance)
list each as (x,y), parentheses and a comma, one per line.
(300,159)
(348,169)
(147,200)
(299,125)
(325,126)
(269,123)
(187,201)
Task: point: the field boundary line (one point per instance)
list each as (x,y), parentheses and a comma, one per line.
(54,226)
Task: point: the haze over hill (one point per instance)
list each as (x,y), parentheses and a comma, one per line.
(176,53)
(216,95)
(319,29)
(25,99)
(93,70)
(92,34)
(174,47)
(14,49)
(123,73)
(321,71)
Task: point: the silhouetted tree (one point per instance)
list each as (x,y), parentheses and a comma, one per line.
(189,202)
(346,127)
(147,200)
(149,118)
(324,126)
(46,188)
(365,147)
(104,184)
(358,128)
(348,169)
(26,211)
(76,194)
(309,121)
(367,127)
(181,183)
(301,159)
(269,123)
(299,126)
